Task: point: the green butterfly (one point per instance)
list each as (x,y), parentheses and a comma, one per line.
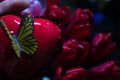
(23,41)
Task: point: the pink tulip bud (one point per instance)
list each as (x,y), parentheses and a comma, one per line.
(34,9)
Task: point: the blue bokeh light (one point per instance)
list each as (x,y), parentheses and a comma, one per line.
(99,17)
(46,78)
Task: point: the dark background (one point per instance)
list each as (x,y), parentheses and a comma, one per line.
(106,18)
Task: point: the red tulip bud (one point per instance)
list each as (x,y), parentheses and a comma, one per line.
(81,24)
(77,73)
(102,46)
(107,71)
(73,54)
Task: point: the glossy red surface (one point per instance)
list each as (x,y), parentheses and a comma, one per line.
(47,35)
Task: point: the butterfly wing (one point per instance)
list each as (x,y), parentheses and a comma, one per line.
(25,37)
(14,44)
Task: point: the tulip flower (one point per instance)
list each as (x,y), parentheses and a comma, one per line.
(73,54)
(81,24)
(109,70)
(76,73)
(101,46)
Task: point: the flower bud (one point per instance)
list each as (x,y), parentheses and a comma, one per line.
(109,70)
(81,24)
(101,46)
(76,73)
(34,9)
(73,54)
